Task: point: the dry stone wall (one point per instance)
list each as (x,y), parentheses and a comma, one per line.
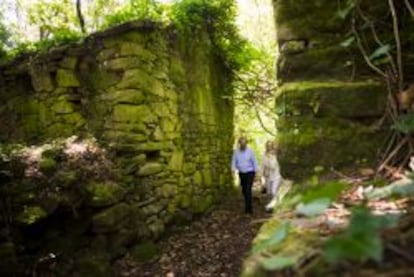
(329,101)
(153,99)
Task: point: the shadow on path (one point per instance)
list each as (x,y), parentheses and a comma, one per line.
(215,245)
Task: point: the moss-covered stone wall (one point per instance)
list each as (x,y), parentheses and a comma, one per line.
(329,100)
(153,100)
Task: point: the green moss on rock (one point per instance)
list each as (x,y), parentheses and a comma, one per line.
(66,78)
(31,215)
(334,98)
(201,204)
(150,168)
(47,165)
(109,219)
(176,161)
(131,113)
(104,194)
(144,251)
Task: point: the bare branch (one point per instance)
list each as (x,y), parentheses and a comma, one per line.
(398,44)
(409,7)
(261,122)
(364,52)
(80,16)
(375,36)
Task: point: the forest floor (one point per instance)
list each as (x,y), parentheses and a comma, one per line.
(219,243)
(214,245)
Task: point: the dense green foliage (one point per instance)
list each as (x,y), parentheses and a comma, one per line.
(58,24)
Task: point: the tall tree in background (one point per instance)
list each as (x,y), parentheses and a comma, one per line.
(80,16)
(53,17)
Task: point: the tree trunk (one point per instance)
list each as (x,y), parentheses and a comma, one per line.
(80,16)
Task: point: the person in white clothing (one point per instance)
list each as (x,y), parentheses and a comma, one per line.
(270,172)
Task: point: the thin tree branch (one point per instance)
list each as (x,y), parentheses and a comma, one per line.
(409,7)
(262,123)
(398,44)
(364,52)
(393,153)
(80,16)
(375,36)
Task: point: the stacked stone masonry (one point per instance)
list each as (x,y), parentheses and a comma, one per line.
(329,101)
(153,98)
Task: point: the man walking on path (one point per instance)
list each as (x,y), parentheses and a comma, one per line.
(244,161)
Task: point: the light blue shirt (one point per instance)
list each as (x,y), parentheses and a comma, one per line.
(244,161)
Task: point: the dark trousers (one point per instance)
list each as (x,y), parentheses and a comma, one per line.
(246,182)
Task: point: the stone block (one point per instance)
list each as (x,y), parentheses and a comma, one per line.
(150,168)
(109,219)
(176,161)
(102,194)
(133,114)
(66,78)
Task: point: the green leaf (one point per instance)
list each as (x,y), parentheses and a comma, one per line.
(278,236)
(380,51)
(404,187)
(330,190)
(346,11)
(313,208)
(361,240)
(358,248)
(278,262)
(363,221)
(348,42)
(405,124)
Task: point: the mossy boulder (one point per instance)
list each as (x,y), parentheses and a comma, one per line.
(47,165)
(31,215)
(109,219)
(102,194)
(144,251)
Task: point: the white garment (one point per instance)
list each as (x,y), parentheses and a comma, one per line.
(270,171)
